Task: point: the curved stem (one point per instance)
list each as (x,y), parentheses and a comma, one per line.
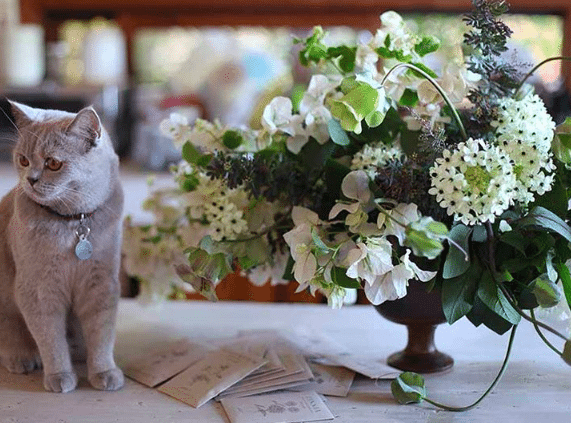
(490,388)
(542,336)
(536,67)
(435,85)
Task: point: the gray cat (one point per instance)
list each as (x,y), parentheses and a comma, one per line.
(60,234)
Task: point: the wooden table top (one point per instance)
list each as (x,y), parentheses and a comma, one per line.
(536,386)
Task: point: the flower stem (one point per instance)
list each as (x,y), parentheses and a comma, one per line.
(490,388)
(438,88)
(542,336)
(536,67)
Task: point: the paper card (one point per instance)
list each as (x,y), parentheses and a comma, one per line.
(329,380)
(256,348)
(372,367)
(327,351)
(296,370)
(210,376)
(277,408)
(157,366)
(265,390)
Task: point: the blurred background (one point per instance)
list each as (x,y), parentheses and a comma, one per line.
(137,61)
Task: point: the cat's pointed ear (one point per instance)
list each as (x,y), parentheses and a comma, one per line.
(86,125)
(23,115)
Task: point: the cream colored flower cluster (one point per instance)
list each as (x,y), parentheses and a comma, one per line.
(524,130)
(478,182)
(475,182)
(371,157)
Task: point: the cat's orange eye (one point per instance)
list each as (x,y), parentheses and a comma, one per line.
(53,164)
(24,162)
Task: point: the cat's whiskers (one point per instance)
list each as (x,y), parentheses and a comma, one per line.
(83,194)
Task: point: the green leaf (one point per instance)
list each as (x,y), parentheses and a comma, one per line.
(424,68)
(288,271)
(495,300)
(247,262)
(203,286)
(544,219)
(480,313)
(408,388)
(189,183)
(566,356)
(212,267)
(556,199)
(318,242)
(479,234)
(456,263)
(428,44)
(232,139)
(346,57)
(546,292)
(385,52)
(337,133)
(458,293)
(561,144)
(190,153)
(339,277)
(409,98)
(514,239)
(357,103)
(425,237)
(204,160)
(565,275)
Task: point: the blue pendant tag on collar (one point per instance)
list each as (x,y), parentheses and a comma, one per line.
(83,249)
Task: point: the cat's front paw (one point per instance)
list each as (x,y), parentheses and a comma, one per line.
(60,382)
(110,380)
(21,364)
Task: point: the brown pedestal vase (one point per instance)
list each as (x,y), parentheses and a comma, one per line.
(421,312)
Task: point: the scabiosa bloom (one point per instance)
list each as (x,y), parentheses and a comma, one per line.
(475,182)
(371,157)
(524,131)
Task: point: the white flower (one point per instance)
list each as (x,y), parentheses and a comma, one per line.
(300,242)
(175,127)
(371,157)
(366,58)
(370,259)
(278,116)
(403,214)
(393,284)
(271,271)
(524,131)
(319,87)
(476,182)
(316,121)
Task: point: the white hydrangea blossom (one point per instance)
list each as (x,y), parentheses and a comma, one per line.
(475,182)
(400,37)
(524,131)
(372,156)
(312,119)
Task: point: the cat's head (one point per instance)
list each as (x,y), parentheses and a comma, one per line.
(64,160)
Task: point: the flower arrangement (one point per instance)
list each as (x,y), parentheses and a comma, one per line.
(386,170)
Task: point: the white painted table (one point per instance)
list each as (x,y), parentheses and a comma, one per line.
(536,387)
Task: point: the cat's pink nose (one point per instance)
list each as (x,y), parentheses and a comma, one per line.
(32,181)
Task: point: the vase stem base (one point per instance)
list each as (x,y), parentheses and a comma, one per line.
(433,362)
